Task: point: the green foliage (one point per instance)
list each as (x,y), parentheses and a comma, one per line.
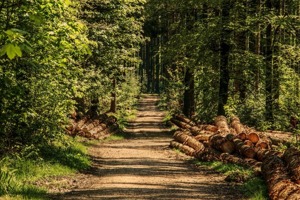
(253,187)
(127,93)
(116,137)
(189,36)
(256,189)
(7,177)
(20,171)
(57,57)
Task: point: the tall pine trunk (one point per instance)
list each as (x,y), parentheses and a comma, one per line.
(269,69)
(189,82)
(224,55)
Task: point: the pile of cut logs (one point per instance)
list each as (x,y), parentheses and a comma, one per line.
(245,146)
(97,127)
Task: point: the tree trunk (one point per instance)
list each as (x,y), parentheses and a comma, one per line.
(189,97)
(113,102)
(269,70)
(224,53)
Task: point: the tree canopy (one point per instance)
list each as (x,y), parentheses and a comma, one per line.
(205,58)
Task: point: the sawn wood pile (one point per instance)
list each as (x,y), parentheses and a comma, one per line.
(239,144)
(97,127)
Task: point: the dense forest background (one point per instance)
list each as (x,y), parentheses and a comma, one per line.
(225,57)
(206,58)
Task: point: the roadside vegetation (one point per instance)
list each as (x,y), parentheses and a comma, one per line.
(250,184)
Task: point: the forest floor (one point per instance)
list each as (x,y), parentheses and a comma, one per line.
(143,167)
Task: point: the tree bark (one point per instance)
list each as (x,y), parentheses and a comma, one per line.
(224,53)
(113,102)
(292,157)
(269,69)
(279,184)
(221,123)
(189,93)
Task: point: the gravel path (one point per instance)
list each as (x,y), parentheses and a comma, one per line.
(144,167)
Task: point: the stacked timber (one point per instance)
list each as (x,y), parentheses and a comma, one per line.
(96,128)
(241,145)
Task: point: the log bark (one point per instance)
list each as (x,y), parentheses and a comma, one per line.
(279,184)
(96,130)
(292,158)
(262,144)
(262,154)
(221,123)
(185,120)
(185,139)
(181,124)
(193,129)
(80,124)
(184,148)
(89,126)
(210,154)
(202,138)
(248,143)
(208,127)
(237,125)
(244,150)
(221,143)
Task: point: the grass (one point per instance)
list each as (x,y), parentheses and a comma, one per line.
(19,171)
(116,137)
(252,186)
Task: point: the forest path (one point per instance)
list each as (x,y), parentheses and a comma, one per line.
(144,167)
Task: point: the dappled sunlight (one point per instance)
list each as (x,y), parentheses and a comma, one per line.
(144,167)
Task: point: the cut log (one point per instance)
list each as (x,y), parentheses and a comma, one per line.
(184,148)
(249,143)
(208,127)
(204,132)
(253,137)
(279,184)
(292,158)
(80,124)
(110,120)
(210,154)
(262,144)
(202,138)
(221,143)
(221,123)
(261,154)
(96,130)
(185,139)
(71,125)
(181,124)
(185,120)
(236,124)
(242,136)
(244,150)
(195,130)
(90,126)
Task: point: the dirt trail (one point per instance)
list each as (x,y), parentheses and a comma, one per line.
(143,167)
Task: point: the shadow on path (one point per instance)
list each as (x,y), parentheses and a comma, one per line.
(143,167)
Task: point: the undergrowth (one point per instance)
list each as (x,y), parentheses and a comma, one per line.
(252,186)
(19,171)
